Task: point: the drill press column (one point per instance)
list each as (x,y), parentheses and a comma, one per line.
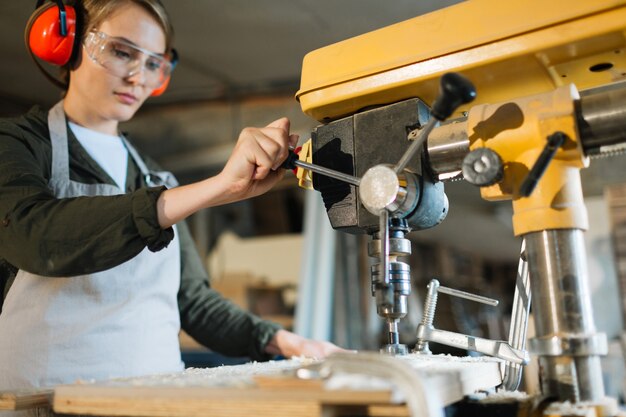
(537,139)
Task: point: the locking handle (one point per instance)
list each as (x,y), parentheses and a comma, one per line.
(555,141)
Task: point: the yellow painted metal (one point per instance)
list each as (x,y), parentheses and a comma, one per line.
(508,49)
(518,130)
(305,177)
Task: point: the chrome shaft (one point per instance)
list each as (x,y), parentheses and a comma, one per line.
(328,172)
(416,144)
(468,296)
(566,341)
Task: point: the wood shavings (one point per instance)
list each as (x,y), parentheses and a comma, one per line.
(222,376)
(504,396)
(443,362)
(464,371)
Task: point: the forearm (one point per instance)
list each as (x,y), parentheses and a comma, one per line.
(178,203)
(211,319)
(223,327)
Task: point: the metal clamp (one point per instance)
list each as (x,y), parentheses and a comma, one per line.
(496,348)
(427,333)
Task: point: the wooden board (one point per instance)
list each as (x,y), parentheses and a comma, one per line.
(178,401)
(270,389)
(22,399)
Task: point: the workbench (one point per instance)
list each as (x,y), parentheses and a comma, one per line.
(365,384)
(25,399)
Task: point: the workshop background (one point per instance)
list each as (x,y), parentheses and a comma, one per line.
(240,65)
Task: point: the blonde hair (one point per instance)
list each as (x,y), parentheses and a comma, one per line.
(91,14)
(94,12)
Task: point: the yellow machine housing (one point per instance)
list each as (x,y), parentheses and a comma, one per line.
(508,49)
(558,202)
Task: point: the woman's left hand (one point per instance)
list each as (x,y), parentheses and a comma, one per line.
(289,344)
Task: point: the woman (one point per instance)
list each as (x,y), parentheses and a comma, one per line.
(101,273)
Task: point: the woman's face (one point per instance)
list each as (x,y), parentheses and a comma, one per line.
(106,98)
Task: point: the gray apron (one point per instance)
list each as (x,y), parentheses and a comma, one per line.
(121,322)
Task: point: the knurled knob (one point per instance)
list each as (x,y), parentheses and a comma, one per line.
(482,167)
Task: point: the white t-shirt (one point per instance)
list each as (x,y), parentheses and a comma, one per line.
(107,150)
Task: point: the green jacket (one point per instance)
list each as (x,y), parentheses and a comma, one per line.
(53,237)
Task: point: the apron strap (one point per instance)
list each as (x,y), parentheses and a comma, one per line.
(152,178)
(58,140)
(135,155)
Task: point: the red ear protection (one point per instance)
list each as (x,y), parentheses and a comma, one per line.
(51,32)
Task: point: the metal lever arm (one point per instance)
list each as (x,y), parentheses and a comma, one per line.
(496,348)
(292,162)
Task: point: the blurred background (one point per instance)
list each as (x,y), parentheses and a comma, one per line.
(240,65)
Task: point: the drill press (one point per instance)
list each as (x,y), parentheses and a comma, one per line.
(525,139)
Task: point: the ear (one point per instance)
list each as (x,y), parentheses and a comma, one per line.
(44,35)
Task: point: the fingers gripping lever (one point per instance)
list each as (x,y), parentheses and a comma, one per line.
(293,162)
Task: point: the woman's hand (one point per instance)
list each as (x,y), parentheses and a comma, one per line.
(289,344)
(252,169)
(254,166)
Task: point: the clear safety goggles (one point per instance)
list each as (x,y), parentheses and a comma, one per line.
(124,59)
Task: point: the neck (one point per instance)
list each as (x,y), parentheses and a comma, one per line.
(82,115)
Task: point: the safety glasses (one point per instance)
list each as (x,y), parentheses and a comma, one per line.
(124,59)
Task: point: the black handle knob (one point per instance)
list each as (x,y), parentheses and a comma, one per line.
(455,90)
(555,141)
(290,161)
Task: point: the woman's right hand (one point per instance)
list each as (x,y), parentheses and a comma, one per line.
(252,169)
(254,165)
